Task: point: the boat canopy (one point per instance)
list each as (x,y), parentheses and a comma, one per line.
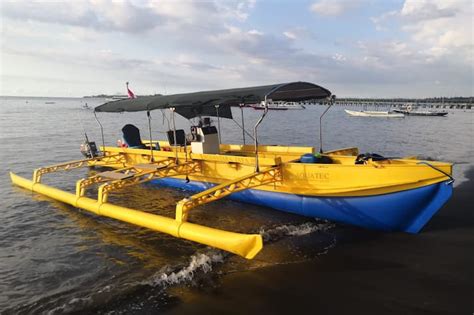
(190,105)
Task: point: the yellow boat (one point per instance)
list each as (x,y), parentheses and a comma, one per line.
(367,190)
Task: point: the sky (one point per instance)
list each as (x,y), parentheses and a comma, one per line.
(355,48)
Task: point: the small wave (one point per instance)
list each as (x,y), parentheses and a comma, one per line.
(199,263)
(281,231)
(73,305)
(107,300)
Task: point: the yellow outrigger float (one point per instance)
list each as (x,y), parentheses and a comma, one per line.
(368,190)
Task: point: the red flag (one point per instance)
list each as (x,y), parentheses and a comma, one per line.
(130,93)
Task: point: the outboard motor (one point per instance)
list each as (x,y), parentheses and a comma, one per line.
(89,149)
(193,136)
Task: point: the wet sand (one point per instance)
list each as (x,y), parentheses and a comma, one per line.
(366,273)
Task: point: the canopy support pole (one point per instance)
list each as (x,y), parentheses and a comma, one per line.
(265,111)
(331,102)
(218,123)
(172,109)
(243,130)
(101,131)
(151,140)
(243,121)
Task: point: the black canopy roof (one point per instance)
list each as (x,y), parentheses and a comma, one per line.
(195,104)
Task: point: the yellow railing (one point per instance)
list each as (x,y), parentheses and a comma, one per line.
(111,158)
(264,177)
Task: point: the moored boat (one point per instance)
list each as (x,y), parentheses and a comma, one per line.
(413,110)
(278,105)
(367,190)
(421,112)
(366,113)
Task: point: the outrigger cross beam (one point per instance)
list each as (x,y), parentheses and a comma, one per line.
(246,245)
(366,190)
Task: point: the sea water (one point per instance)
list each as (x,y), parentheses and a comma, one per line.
(55,258)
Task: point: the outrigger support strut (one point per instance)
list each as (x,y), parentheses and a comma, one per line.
(109,159)
(265,177)
(118,174)
(138,174)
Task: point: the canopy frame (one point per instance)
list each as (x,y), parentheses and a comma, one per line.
(218,103)
(190,105)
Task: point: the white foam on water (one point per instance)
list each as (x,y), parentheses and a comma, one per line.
(73,305)
(294,230)
(199,263)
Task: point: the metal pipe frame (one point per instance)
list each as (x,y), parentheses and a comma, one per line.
(39,172)
(172,109)
(255,134)
(142,176)
(218,123)
(149,131)
(243,121)
(101,130)
(331,102)
(265,177)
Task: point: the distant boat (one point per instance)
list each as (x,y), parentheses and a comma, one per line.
(50,102)
(367,113)
(279,105)
(421,113)
(85,106)
(410,110)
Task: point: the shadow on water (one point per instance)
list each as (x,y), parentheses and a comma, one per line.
(121,257)
(456,214)
(133,267)
(370,272)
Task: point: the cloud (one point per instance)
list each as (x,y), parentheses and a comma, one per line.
(290,34)
(339,57)
(239,11)
(380,21)
(437,28)
(208,45)
(300,33)
(372,63)
(254,45)
(334,7)
(99,15)
(430,9)
(128,16)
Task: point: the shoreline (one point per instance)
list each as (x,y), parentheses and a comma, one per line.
(367,272)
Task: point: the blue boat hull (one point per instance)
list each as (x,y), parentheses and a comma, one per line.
(406,211)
